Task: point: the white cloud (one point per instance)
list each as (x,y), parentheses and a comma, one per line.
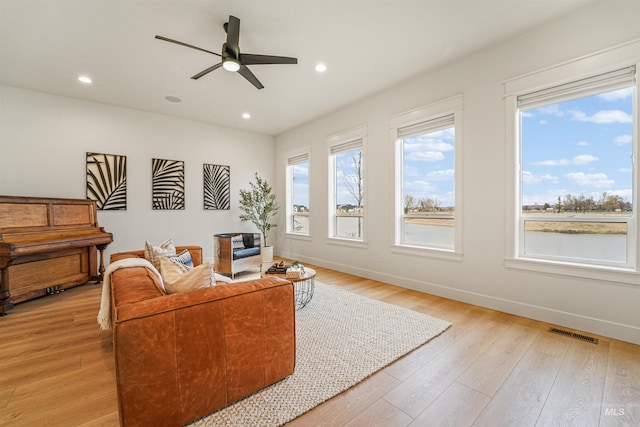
(419,188)
(426,156)
(301,168)
(622,139)
(561,162)
(596,180)
(549,196)
(582,143)
(530,178)
(581,159)
(617,95)
(602,117)
(439,146)
(625,194)
(441,175)
(542,122)
(552,110)
(424,144)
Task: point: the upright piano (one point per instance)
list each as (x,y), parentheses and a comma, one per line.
(47,245)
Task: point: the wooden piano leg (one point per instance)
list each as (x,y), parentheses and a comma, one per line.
(101,267)
(5,304)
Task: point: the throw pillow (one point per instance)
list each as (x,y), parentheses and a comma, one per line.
(176,280)
(237,242)
(182,259)
(152,253)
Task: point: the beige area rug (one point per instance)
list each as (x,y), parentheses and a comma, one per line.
(342,338)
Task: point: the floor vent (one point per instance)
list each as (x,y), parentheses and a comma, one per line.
(574,335)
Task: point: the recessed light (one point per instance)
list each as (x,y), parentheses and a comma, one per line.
(84,79)
(172,98)
(321,68)
(246,115)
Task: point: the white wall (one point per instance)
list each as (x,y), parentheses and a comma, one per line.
(43,143)
(602,307)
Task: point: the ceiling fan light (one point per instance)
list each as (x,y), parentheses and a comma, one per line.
(230,64)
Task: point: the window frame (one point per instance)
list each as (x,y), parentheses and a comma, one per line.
(292,158)
(432,112)
(344,142)
(584,68)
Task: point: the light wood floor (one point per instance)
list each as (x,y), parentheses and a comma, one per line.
(488,369)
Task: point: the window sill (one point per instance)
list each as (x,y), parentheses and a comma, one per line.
(347,242)
(602,273)
(297,236)
(427,252)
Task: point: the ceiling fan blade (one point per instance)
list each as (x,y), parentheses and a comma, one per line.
(251,59)
(247,74)
(187,45)
(233,34)
(207,71)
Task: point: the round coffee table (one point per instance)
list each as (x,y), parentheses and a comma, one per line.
(303,286)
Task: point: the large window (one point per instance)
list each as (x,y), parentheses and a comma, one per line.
(427,151)
(298,194)
(346,191)
(576,175)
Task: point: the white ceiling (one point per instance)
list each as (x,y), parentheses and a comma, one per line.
(367,45)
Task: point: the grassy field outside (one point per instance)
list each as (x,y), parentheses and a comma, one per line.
(444,222)
(577,227)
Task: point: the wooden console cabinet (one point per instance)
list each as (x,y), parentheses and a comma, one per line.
(47,245)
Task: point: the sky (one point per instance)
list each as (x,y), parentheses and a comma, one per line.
(428,166)
(581,146)
(301,184)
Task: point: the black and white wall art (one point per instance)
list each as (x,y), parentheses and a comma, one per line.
(217,187)
(167,184)
(107,181)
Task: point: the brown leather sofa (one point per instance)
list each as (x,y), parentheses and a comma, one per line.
(182,356)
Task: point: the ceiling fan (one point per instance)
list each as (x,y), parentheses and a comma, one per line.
(232,59)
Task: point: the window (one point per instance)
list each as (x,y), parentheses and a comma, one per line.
(575,175)
(298,194)
(427,156)
(347,186)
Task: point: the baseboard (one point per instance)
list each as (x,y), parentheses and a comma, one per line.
(593,325)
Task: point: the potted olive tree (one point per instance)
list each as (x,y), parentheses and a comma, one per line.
(258,205)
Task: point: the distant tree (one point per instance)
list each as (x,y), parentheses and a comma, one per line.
(613,202)
(428,205)
(603,200)
(354,181)
(559,206)
(409,203)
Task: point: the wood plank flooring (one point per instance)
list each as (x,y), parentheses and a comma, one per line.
(488,369)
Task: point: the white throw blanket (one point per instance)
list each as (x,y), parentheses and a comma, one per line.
(104,315)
